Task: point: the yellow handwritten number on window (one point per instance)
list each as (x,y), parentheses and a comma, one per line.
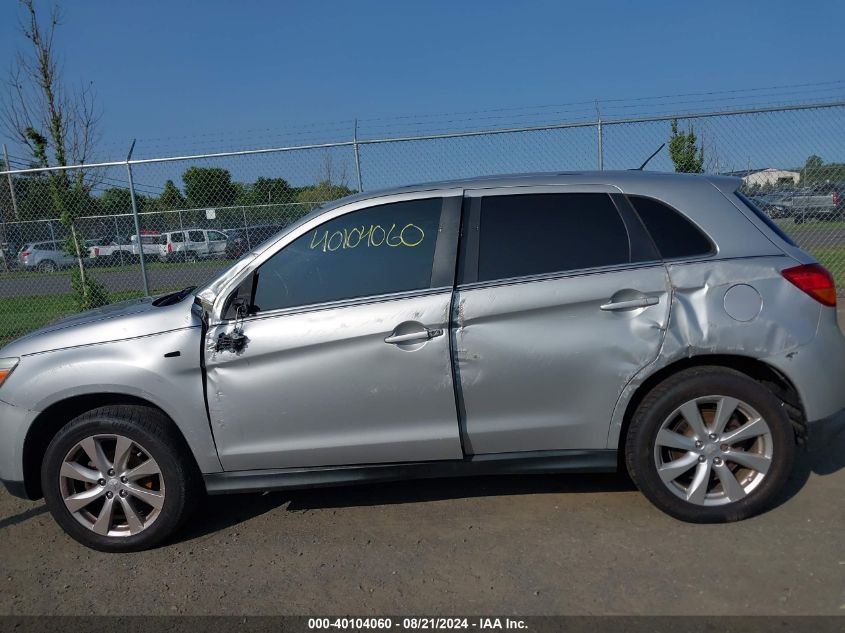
(374,236)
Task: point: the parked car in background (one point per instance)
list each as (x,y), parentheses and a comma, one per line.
(773,205)
(45,257)
(149,244)
(113,251)
(820,202)
(579,323)
(242,240)
(191,244)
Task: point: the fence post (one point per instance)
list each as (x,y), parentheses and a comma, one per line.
(137,222)
(246,231)
(600,138)
(11,184)
(357,157)
(116,237)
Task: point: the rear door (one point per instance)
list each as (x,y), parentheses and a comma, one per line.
(196,243)
(347,357)
(216,243)
(562,299)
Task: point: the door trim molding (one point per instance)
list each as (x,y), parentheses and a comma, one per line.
(529,462)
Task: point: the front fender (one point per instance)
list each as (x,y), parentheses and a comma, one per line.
(163,369)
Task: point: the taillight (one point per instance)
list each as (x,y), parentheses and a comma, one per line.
(836,198)
(25,254)
(169,247)
(815,280)
(96,252)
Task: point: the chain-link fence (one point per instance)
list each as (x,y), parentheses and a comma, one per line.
(153,225)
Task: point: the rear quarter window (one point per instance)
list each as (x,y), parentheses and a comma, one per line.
(674,235)
(765,218)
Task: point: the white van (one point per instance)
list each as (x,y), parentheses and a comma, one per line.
(191,244)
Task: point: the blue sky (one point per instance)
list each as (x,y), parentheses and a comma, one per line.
(186,76)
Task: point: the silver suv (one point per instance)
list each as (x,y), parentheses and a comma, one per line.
(45,257)
(544,323)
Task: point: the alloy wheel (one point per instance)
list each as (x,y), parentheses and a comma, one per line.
(112,485)
(713,450)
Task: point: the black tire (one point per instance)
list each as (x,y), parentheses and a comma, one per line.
(680,388)
(47,266)
(149,428)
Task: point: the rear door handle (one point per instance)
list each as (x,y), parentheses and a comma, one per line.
(640,302)
(423,335)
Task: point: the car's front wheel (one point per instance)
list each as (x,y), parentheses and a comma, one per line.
(115,479)
(710,445)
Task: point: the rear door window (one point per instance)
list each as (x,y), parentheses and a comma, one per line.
(196,236)
(532,234)
(674,235)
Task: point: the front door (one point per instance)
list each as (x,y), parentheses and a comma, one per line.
(563,299)
(346,358)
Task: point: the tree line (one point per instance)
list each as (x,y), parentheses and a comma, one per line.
(202,187)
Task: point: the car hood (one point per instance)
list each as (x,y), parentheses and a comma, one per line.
(118,321)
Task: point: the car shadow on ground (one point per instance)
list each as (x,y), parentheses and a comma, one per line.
(222,512)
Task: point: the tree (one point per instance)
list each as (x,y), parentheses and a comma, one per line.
(813,162)
(265,191)
(323,192)
(116,200)
(209,187)
(171,198)
(59,127)
(684,151)
(817,171)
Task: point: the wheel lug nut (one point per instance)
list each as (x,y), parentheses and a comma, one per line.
(122,493)
(701,458)
(724,448)
(109,494)
(699,443)
(102,482)
(718,461)
(123,480)
(111,472)
(712,436)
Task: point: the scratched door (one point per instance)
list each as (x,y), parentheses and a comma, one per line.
(347,357)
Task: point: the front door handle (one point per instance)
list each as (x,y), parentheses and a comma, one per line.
(423,335)
(640,302)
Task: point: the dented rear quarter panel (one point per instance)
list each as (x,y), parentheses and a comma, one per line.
(700,325)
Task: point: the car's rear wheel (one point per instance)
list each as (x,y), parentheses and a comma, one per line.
(47,266)
(710,445)
(115,480)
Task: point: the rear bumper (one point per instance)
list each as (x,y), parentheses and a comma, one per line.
(821,433)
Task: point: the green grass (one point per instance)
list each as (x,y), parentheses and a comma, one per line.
(19,315)
(832,258)
(789,225)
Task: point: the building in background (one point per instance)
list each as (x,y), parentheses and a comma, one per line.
(769,177)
